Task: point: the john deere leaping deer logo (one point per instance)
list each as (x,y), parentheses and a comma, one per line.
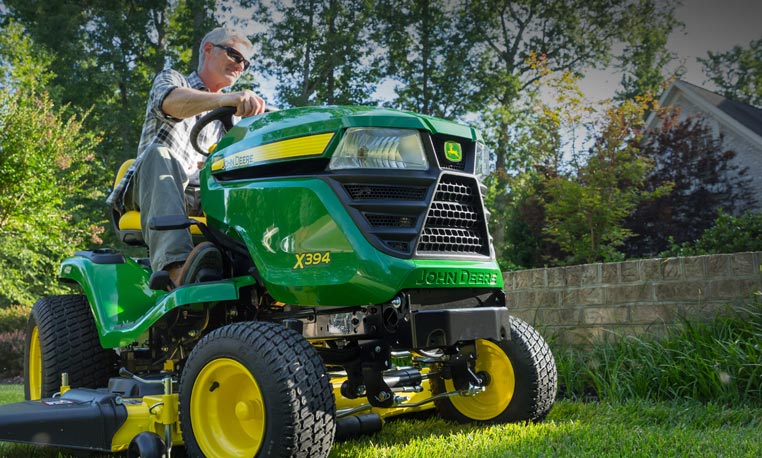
(453,152)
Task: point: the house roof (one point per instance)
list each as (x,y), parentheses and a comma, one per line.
(745,118)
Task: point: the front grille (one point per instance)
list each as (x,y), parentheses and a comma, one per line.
(376,220)
(382,192)
(455,221)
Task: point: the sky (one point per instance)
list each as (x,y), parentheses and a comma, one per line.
(710,25)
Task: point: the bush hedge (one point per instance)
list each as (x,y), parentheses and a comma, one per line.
(13,318)
(12,354)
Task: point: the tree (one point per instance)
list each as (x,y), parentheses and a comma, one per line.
(587,206)
(429,55)
(511,37)
(704,182)
(645,32)
(319,51)
(46,173)
(737,73)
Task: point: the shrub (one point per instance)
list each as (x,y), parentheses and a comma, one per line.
(13,318)
(12,354)
(729,234)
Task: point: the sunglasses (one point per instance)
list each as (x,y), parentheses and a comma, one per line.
(235,56)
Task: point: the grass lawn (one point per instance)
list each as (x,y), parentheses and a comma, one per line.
(634,428)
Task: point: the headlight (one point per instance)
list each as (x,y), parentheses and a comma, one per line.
(482,164)
(374,148)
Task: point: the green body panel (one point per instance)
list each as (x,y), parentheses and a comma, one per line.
(124,306)
(289,219)
(299,122)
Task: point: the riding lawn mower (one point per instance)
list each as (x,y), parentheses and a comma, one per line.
(358,283)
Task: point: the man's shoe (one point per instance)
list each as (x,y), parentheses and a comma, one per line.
(204,263)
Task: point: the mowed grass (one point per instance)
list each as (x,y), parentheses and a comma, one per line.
(634,428)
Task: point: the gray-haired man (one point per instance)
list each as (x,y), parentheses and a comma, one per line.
(167,164)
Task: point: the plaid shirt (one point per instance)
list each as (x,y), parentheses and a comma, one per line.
(164,130)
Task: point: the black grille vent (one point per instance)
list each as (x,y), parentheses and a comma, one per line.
(381,192)
(455,223)
(376,220)
(398,245)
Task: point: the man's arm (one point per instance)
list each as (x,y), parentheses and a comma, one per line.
(185,102)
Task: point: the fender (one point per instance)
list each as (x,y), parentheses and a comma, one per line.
(123,305)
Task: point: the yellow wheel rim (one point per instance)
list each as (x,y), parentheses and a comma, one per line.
(492,360)
(35,365)
(227,410)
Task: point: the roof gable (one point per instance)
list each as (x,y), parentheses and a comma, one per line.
(741,117)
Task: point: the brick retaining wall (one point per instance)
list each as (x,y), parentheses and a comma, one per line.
(587,303)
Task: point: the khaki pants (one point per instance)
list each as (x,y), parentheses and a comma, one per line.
(159,188)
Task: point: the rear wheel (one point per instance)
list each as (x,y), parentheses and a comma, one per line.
(521,380)
(61,337)
(256,389)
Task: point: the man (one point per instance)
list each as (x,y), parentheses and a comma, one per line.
(158,182)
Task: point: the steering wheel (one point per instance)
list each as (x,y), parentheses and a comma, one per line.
(223,114)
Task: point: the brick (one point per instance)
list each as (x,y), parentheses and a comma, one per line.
(510,300)
(589,296)
(509,280)
(706,311)
(610,273)
(522,300)
(743,264)
(574,276)
(670,268)
(629,293)
(591,275)
(733,288)
(544,298)
(605,315)
(651,269)
(556,277)
(558,316)
(718,265)
(581,336)
(694,267)
(522,279)
(654,313)
(630,271)
(680,291)
(537,279)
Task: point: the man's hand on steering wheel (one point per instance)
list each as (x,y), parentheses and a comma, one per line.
(246,102)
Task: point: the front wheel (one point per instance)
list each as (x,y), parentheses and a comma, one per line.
(521,380)
(256,389)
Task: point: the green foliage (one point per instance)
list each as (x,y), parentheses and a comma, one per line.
(738,72)
(45,171)
(645,32)
(319,51)
(429,55)
(13,318)
(587,207)
(729,234)
(719,361)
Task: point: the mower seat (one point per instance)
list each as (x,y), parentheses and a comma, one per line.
(127,224)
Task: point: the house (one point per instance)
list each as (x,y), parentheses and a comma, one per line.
(740,125)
